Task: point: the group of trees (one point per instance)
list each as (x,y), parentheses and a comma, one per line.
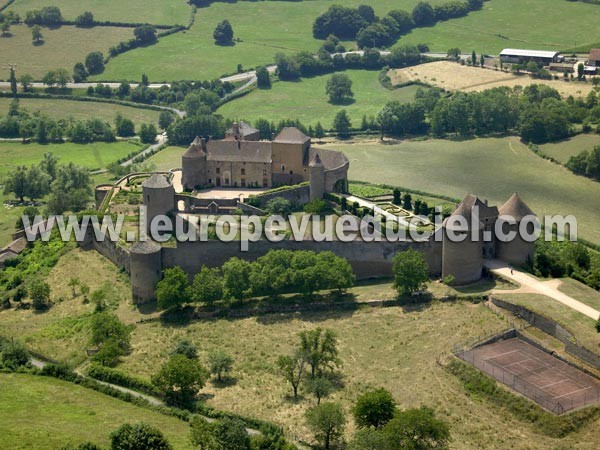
(537,112)
(12,354)
(304,64)
(560,259)
(277,272)
(68,185)
(223,33)
(361,24)
(49,16)
(313,363)
(587,163)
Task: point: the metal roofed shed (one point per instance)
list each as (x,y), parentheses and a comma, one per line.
(517,56)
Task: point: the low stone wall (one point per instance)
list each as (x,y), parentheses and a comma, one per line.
(552,328)
(249,209)
(298,195)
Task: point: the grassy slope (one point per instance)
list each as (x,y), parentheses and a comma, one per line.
(150,11)
(283,99)
(265,28)
(492,168)
(45,413)
(58,50)
(581,292)
(167,159)
(563,150)
(522,23)
(93,156)
(62,109)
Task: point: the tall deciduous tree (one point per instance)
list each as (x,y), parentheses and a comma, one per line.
(319,348)
(207,286)
(292,369)
(140,436)
(342,124)
(36,34)
(172,289)
(339,88)
(410,271)
(223,33)
(327,423)
(374,408)
(219,363)
(181,379)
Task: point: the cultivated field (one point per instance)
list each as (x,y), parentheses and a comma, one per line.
(39,413)
(96,155)
(58,50)
(539,24)
(265,29)
(306,100)
(64,109)
(454,77)
(159,12)
(492,168)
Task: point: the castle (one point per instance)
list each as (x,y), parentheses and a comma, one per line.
(242,160)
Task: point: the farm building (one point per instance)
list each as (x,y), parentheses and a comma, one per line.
(593,65)
(520,56)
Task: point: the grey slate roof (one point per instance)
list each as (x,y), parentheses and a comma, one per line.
(245,129)
(156,181)
(291,135)
(248,151)
(331,159)
(516,208)
(145,248)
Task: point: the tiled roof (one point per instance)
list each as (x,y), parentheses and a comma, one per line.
(156,181)
(515,208)
(291,135)
(248,151)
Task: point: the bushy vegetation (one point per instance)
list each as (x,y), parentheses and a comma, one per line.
(587,163)
(567,259)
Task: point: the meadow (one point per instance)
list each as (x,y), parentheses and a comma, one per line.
(306,100)
(45,413)
(563,150)
(492,168)
(96,155)
(166,159)
(58,50)
(159,12)
(540,24)
(265,28)
(64,109)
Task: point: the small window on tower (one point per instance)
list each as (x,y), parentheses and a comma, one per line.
(218,170)
(243,171)
(282,168)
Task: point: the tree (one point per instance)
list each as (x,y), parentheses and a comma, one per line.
(109,334)
(319,348)
(423,14)
(140,436)
(49,79)
(342,124)
(202,434)
(171,291)
(320,387)
(80,73)
(339,88)
(278,206)
(473,58)
(13,355)
(186,348)
(236,278)
(148,133)
(416,429)
(580,71)
(231,434)
(326,421)
(180,378)
(374,408)
(319,131)
(482,60)
(26,82)
(219,363)
(85,20)
(410,271)
(145,34)
(94,63)
(16,183)
(292,369)
(13,80)
(165,119)
(207,286)
(124,127)
(263,79)
(223,33)
(36,34)
(39,292)
(367,439)
(62,78)
(5,28)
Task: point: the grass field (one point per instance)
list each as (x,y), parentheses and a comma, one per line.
(455,77)
(539,24)
(57,50)
(492,168)
(167,12)
(8,219)
(562,151)
(64,109)
(93,156)
(265,29)
(39,413)
(306,100)
(167,159)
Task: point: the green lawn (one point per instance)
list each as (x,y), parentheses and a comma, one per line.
(93,156)
(64,109)
(581,292)
(168,12)
(492,168)
(39,413)
(563,150)
(306,100)
(62,47)
(265,28)
(8,219)
(166,159)
(538,24)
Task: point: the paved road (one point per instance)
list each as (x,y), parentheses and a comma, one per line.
(532,285)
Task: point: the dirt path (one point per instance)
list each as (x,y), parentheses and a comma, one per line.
(531,285)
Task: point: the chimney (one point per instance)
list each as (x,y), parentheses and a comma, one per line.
(236,130)
(203,144)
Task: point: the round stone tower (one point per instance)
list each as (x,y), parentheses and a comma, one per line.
(193,164)
(317,178)
(516,251)
(463,257)
(159,197)
(145,270)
